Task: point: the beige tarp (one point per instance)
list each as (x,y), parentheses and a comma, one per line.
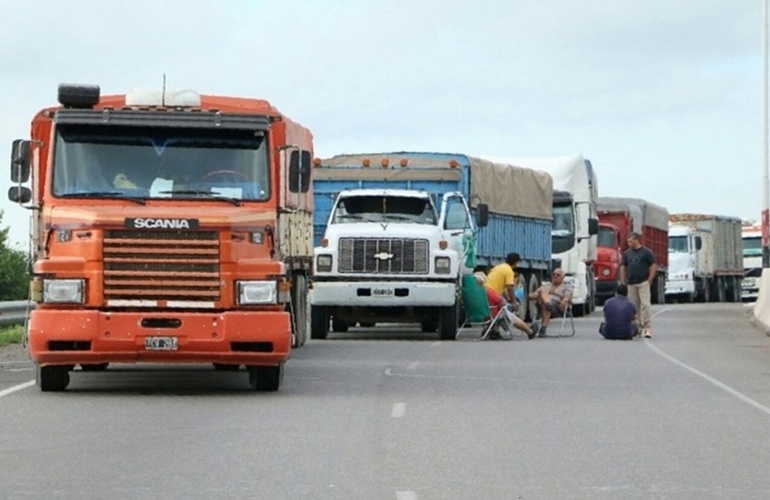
(505,188)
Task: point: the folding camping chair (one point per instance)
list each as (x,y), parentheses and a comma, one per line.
(566,317)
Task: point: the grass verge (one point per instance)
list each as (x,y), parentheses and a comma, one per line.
(11,334)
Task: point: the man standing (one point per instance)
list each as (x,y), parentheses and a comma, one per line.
(502,278)
(619,317)
(638,270)
(552,300)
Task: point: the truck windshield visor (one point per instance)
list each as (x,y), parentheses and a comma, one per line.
(158,162)
(355,209)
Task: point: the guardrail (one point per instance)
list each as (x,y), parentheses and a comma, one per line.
(15,312)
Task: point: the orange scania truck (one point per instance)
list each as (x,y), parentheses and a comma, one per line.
(167,227)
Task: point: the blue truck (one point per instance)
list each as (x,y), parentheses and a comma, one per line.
(469,213)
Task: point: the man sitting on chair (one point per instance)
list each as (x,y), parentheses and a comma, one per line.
(498,303)
(552,300)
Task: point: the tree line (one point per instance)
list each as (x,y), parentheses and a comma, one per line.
(14,269)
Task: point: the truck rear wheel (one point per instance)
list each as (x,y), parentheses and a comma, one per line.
(447,322)
(265,378)
(52,378)
(428,325)
(339,325)
(319,322)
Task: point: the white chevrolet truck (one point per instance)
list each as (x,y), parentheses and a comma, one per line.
(389,255)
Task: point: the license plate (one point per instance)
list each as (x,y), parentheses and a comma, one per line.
(161,343)
(382,292)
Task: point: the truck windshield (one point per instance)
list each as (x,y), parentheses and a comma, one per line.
(677,244)
(355,209)
(752,246)
(606,238)
(160,162)
(563,221)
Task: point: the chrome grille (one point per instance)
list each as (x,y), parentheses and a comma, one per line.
(383,256)
(161,265)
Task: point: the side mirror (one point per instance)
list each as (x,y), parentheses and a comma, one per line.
(482,215)
(698,243)
(20,159)
(19,194)
(299,171)
(593,226)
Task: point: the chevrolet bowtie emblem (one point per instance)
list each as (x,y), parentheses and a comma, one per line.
(383,256)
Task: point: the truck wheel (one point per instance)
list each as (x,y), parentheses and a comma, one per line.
(265,378)
(319,322)
(447,322)
(299,311)
(429,325)
(534,284)
(339,325)
(52,378)
(94,367)
(719,290)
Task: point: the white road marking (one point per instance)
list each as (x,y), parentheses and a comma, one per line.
(406,495)
(399,410)
(759,406)
(436,344)
(413,365)
(16,388)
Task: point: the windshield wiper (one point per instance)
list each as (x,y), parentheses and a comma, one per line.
(203,194)
(118,195)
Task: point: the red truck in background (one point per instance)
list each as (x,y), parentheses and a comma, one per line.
(167,227)
(617,218)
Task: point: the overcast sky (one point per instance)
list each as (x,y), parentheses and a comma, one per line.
(663,96)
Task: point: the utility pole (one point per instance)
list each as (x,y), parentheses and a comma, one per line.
(765,132)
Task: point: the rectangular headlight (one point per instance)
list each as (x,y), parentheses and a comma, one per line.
(63,291)
(324,263)
(443,265)
(257,292)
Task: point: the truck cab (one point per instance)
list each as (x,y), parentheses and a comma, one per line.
(752,262)
(165,226)
(683,247)
(388,255)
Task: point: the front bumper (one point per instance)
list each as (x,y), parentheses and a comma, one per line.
(674,287)
(89,336)
(383,293)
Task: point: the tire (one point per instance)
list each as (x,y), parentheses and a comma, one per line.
(429,325)
(319,322)
(367,324)
(533,285)
(94,367)
(719,290)
(579,310)
(265,378)
(447,322)
(299,311)
(224,367)
(339,325)
(52,378)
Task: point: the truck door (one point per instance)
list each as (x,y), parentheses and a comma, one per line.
(458,228)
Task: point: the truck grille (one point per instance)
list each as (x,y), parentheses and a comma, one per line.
(161,265)
(383,256)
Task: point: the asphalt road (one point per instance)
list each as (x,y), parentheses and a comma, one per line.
(377,414)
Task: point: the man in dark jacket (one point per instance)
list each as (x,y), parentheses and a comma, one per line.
(619,317)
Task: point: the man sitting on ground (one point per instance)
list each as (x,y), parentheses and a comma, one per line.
(619,317)
(552,300)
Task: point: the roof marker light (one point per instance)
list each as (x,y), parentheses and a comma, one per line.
(404,162)
(384,162)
